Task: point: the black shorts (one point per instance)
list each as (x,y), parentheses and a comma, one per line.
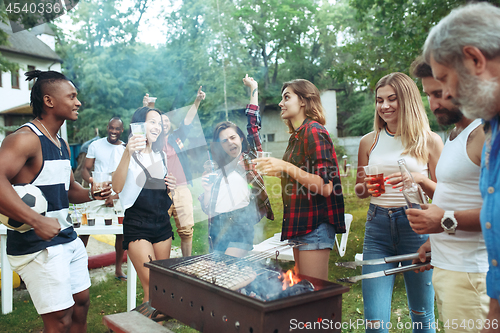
(143,228)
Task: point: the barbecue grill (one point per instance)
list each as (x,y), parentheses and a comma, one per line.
(203,292)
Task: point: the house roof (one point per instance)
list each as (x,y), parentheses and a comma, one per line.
(42,29)
(21,109)
(26,43)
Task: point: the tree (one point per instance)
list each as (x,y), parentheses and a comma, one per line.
(385,36)
(106,64)
(288,40)
(5,65)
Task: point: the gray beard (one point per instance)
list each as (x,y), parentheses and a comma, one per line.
(476,98)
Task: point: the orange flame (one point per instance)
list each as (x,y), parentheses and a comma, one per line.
(289,279)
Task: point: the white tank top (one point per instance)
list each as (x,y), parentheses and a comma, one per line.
(386,151)
(458,189)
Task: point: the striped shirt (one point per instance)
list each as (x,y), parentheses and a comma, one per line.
(53,180)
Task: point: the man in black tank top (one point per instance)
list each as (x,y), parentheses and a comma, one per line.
(63,307)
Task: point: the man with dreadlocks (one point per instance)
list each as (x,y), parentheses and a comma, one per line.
(50,258)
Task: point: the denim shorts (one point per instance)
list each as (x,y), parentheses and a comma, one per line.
(234,229)
(323,237)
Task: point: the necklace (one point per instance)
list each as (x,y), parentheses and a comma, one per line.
(51,138)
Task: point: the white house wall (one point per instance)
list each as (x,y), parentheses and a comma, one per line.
(11,98)
(15,97)
(329,101)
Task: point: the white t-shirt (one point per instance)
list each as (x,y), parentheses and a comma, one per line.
(233,194)
(107,156)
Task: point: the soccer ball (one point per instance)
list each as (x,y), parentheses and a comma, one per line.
(33,197)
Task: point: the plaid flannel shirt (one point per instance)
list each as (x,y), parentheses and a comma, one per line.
(254,180)
(311,149)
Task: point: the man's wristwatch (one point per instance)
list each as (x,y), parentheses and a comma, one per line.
(449,222)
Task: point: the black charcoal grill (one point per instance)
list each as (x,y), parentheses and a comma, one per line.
(203,292)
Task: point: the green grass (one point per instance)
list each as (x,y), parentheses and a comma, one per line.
(111,296)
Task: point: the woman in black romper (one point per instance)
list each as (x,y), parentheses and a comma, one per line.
(142,183)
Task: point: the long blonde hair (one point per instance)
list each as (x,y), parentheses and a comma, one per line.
(309,94)
(413,124)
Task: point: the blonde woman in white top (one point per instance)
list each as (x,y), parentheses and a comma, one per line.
(401,130)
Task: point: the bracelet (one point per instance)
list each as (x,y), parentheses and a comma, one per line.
(90,194)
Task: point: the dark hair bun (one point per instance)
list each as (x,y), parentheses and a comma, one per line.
(33,74)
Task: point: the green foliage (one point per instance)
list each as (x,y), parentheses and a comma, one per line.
(360,122)
(5,65)
(346,45)
(388,35)
(339,150)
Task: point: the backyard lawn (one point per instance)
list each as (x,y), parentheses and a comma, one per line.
(110,296)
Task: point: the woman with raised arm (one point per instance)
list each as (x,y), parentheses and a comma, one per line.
(313,203)
(237,199)
(142,183)
(401,130)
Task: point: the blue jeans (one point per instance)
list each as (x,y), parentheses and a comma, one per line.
(388,233)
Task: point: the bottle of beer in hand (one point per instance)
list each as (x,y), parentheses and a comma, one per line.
(412,192)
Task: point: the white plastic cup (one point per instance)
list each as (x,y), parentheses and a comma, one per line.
(152,99)
(263,154)
(139,129)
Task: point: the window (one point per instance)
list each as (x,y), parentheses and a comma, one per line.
(270,137)
(16,120)
(14,79)
(32,82)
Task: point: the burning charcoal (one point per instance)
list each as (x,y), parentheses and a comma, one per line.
(301,287)
(267,285)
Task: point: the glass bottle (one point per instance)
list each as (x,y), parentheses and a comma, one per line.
(412,192)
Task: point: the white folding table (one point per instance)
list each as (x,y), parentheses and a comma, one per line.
(98,229)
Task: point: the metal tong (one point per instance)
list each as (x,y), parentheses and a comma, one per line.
(399,258)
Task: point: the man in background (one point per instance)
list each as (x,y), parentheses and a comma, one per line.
(104,155)
(82,155)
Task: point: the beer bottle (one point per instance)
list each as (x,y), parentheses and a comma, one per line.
(412,192)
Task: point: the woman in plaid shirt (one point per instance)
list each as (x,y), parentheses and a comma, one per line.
(237,199)
(313,204)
